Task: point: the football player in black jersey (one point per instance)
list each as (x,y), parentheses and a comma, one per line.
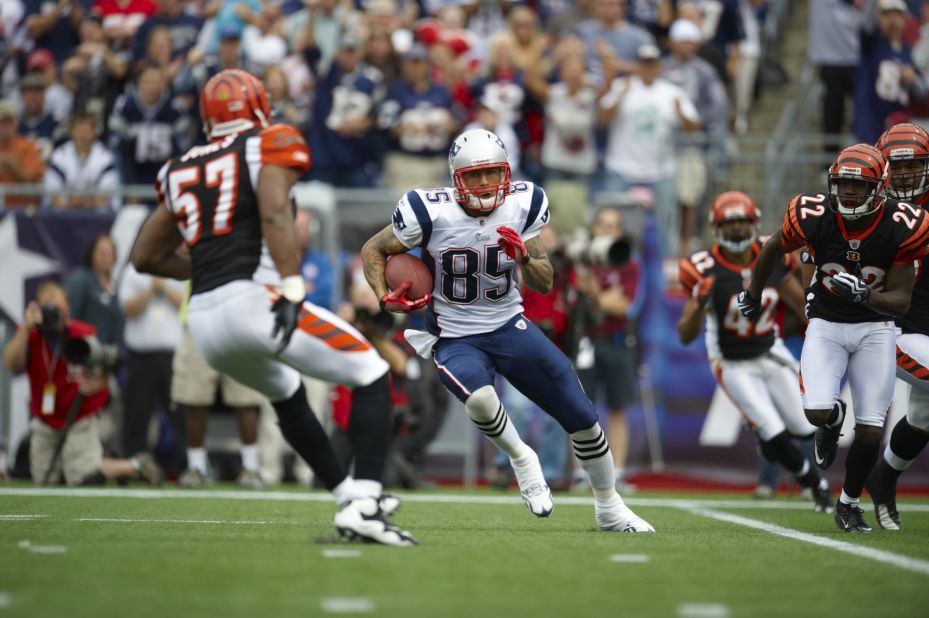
(229,201)
(906,147)
(748,358)
(863,244)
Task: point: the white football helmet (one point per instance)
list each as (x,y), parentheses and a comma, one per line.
(479,149)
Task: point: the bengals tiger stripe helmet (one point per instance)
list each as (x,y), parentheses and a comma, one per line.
(906,147)
(858,181)
(735,206)
(231,102)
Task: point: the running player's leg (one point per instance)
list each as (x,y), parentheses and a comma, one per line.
(822,365)
(535,366)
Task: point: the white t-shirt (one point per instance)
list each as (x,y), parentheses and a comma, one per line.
(570,122)
(476,285)
(158,327)
(640,144)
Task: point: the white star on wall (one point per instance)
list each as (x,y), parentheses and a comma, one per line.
(18,266)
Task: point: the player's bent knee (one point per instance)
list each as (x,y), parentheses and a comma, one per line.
(483,404)
(818,417)
(867,434)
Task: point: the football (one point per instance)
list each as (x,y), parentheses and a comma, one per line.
(405,267)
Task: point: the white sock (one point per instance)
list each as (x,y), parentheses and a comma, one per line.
(250,457)
(345,491)
(895,461)
(619,473)
(593,452)
(367,487)
(486,411)
(196,459)
(846,499)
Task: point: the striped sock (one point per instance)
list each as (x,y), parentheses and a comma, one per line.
(502,432)
(593,452)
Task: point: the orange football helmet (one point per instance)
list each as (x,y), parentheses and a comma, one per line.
(906,147)
(858,180)
(735,206)
(233,101)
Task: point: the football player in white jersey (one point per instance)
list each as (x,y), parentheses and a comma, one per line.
(478,238)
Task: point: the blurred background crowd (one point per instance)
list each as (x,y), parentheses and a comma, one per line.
(608,104)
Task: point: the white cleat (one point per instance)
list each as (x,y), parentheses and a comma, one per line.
(620,518)
(532,486)
(389,504)
(362,519)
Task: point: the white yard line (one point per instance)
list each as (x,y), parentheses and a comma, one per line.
(702,610)
(320,496)
(629,558)
(347,605)
(904,562)
(126,520)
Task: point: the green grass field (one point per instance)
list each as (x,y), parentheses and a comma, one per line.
(170,554)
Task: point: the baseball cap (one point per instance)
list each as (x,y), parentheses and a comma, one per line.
(39,59)
(230,31)
(648,52)
(32,81)
(8,110)
(417,52)
(892,5)
(684,30)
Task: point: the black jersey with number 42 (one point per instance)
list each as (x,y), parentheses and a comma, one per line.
(212,192)
(898,234)
(729,333)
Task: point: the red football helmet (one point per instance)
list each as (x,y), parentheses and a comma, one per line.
(858,180)
(231,102)
(906,147)
(735,206)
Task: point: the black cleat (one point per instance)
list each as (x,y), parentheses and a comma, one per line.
(822,497)
(887,516)
(850,518)
(826,441)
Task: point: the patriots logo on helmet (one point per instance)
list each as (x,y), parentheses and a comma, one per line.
(399,223)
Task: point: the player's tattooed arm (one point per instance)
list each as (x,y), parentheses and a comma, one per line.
(156,247)
(894,299)
(772,253)
(374,255)
(538,271)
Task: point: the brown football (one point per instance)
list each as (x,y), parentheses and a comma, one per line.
(405,267)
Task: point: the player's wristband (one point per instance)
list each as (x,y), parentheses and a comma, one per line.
(293,289)
(525,259)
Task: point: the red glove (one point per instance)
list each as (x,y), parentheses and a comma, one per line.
(512,244)
(397,302)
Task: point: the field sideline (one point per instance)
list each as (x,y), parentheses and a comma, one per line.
(219,552)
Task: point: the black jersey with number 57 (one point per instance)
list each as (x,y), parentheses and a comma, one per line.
(898,234)
(212,192)
(730,334)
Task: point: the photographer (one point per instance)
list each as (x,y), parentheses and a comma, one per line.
(65,440)
(611,283)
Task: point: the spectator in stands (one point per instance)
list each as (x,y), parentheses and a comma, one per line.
(153,331)
(380,54)
(655,16)
(264,42)
(420,119)
(195,385)
(20,159)
(283,106)
(82,163)
(529,41)
(147,127)
(562,17)
(34,122)
(886,80)
(611,27)
(53,26)
(700,82)
(643,113)
(315,266)
(54,385)
(489,116)
(569,149)
(743,87)
(58,99)
(160,53)
(502,85)
(95,73)
(617,298)
(343,116)
(722,28)
(321,23)
(231,15)
(184,27)
(835,46)
(92,292)
(121,19)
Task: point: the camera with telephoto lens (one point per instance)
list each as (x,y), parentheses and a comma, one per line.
(89,352)
(603,251)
